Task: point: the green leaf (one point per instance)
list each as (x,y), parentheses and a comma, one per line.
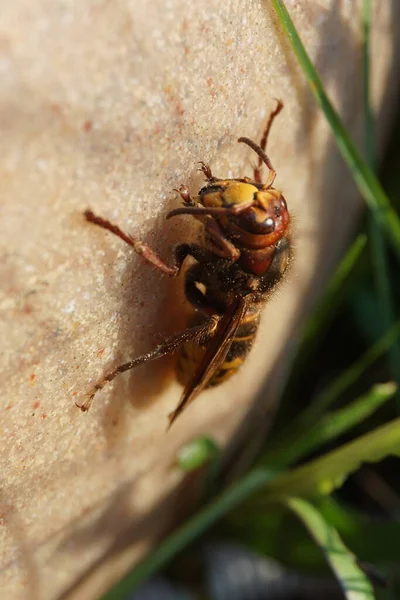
(374,540)
(367,183)
(331,426)
(352,579)
(197,453)
(325,474)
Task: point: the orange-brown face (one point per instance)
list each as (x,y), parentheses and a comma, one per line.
(267,217)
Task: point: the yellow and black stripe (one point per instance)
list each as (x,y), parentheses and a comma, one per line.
(240,346)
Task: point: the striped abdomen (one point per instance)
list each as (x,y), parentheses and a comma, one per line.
(190,354)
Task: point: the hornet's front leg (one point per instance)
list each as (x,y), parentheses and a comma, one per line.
(146,251)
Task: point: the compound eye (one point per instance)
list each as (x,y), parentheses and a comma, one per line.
(270,223)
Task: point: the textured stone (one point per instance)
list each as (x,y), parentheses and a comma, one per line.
(109,105)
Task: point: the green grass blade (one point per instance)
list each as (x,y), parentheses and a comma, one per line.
(369,125)
(263,530)
(331,426)
(333,392)
(367,183)
(333,295)
(353,581)
(190,531)
(376,238)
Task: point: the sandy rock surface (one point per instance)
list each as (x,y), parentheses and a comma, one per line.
(110,105)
